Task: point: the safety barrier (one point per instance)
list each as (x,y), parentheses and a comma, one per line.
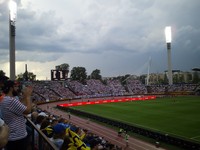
(43,141)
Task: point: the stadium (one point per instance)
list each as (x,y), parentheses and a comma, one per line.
(88,105)
(154,116)
(75,111)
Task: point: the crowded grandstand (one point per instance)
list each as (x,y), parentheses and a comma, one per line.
(59,90)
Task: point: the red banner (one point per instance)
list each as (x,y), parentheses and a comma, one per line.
(108,101)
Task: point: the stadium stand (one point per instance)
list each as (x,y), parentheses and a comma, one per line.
(56,90)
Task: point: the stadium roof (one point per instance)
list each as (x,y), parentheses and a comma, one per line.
(173,71)
(196,69)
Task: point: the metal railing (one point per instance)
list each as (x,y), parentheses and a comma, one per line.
(43,142)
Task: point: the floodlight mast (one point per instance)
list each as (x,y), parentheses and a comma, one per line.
(12,20)
(149,65)
(168,36)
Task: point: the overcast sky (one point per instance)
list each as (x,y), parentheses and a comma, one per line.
(117,37)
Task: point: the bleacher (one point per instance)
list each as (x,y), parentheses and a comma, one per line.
(55,90)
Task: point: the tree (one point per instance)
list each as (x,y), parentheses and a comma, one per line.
(62,71)
(20,77)
(27,76)
(96,74)
(64,66)
(79,73)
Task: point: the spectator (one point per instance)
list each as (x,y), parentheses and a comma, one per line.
(76,140)
(4,132)
(13,112)
(66,143)
(34,116)
(48,131)
(41,116)
(39,120)
(59,134)
(2,80)
(45,123)
(54,122)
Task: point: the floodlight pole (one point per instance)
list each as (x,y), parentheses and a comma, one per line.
(12,20)
(169,63)
(168,41)
(149,65)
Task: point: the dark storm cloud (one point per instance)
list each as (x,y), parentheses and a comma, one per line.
(123,33)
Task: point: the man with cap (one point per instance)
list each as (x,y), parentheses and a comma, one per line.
(13,112)
(59,134)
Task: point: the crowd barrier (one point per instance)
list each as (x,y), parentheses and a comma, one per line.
(43,142)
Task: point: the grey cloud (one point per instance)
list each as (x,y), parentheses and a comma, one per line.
(125,32)
(35,56)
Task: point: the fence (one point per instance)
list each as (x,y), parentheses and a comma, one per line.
(43,142)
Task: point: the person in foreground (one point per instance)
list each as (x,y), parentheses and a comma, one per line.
(13,112)
(4,132)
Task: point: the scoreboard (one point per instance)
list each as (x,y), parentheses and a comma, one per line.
(59,74)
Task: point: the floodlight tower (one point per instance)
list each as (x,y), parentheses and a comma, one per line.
(168,36)
(12,20)
(149,65)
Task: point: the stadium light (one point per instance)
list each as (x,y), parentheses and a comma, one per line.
(168,36)
(12,20)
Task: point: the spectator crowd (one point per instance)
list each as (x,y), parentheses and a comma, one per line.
(65,135)
(56,90)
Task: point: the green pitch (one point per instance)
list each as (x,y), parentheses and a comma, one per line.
(178,116)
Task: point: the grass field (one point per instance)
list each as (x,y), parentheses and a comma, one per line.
(178,116)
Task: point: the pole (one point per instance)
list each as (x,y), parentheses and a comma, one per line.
(169,64)
(149,65)
(12,48)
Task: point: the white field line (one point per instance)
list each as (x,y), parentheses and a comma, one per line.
(195,137)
